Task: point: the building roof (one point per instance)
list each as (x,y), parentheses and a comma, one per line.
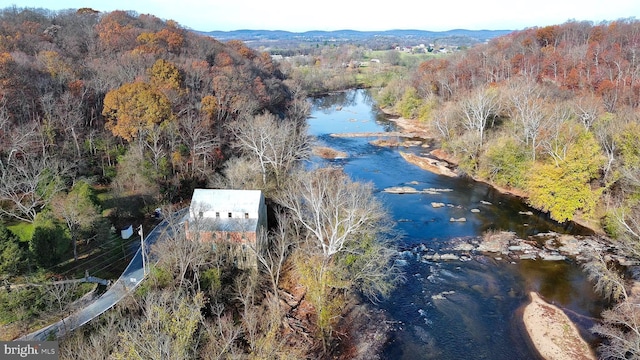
(210,208)
(227,199)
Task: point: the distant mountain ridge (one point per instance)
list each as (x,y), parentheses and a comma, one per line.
(249,35)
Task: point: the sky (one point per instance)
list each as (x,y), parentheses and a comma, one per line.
(363,15)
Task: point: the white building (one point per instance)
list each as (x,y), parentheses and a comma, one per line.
(234,216)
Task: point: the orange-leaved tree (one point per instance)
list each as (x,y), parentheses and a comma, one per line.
(135,108)
(166,77)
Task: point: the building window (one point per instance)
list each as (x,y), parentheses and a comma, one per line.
(246,215)
(217,214)
(229,214)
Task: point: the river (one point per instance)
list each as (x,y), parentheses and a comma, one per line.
(455,309)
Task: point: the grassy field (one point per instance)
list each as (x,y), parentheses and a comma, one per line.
(405,58)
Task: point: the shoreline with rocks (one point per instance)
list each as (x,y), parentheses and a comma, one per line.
(506,245)
(541,320)
(538,317)
(548,329)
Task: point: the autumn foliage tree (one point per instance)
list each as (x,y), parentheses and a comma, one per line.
(134,109)
(545,83)
(117,31)
(564,187)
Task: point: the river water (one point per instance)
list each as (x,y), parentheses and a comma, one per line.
(456,309)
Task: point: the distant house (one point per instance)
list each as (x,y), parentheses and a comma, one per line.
(236,217)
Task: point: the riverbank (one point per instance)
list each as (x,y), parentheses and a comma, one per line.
(453,303)
(543,327)
(552,333)
(445,160)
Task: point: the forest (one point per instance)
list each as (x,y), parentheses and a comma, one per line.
(551,112)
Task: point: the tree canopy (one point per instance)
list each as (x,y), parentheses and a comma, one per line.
(134,109)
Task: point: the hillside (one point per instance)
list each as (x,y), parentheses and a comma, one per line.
(52,62)
(105,117)
(550,111)
(377,40)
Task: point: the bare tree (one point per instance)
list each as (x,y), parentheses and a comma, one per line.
(528,111)
(299,108)
(197,134)
(239,173)
(628,221)
(182,256)
(254,137)
(222,334)
(19,140)
(621,328)
(445,122)
(167,330)
(5,118)
(606,129)
(559,134)
(68,113)
(245,289)
(345,248)
(154,142)
(275,249)
(372,268)
(97,345)
(28,184)
(277,145)
(61,293)
(620,325)
(607,280)
(588,110)
(261,319)
(478,108)
(332,208)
